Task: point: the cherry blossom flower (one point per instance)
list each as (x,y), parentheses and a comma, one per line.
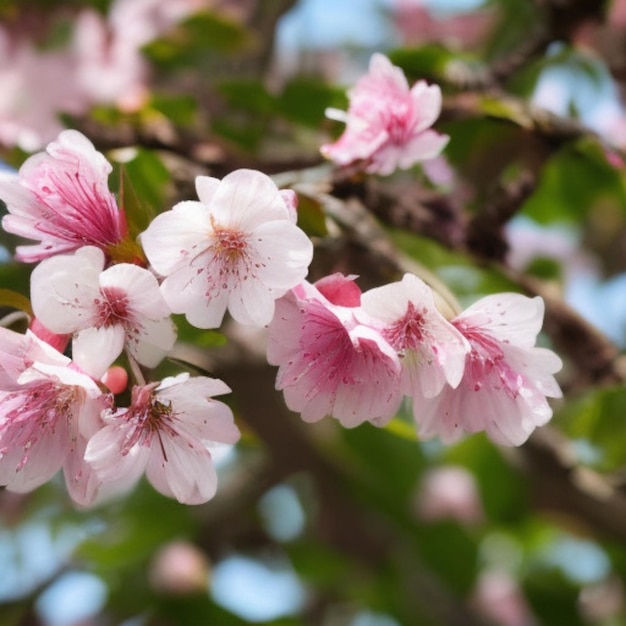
(166,432)
(329,362)
(61,198)
(47,412)
(107,310)
(449,492)
(33,91)
(432,350)
(109,68)
(506,378)
(387,123)
(238,248)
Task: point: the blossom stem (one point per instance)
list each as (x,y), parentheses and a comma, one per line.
(135,368)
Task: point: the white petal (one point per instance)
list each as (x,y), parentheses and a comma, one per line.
(426,145)
(208,313)
(509,317)
(64,289)
(186,471)
(174,237)
(427,104)
(285,253)
(247,198)
(206,186)
(104,454)
(141,288)
(153,341)
(95,349)
(252,304)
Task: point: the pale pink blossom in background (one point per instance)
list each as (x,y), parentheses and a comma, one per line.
(142,21)
(432,351)
(180,568)
(110,67)
(106,310)
(499,597)
(449,492)
(34,89)
(61,198)
(617,13)
(387,123)
(46,414)
(237,249)
(166,432)
(506,379)
(419,24)
(329,363)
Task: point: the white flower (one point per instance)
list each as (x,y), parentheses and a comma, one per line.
(107,310)
(237,249)
(166,433)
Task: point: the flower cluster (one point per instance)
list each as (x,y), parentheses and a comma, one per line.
(356,355)
(237,249)
(108,300)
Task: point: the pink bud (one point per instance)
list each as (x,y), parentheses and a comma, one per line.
(116,379)
(180,568)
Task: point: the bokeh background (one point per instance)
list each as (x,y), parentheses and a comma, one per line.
(316,524)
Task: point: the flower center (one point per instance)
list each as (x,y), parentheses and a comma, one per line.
(34,413)
(408,331)
(150,417)
(232,258)
(112,307)
(230,244)
(487,365)
(397,122)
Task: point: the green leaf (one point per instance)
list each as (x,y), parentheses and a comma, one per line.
(247,94)
(15,277)
(180,110)
(429,61)
(503,490)
(305,99)
(577,179)
(134,529)
(142,187)
(311,216)
(458,271)
(597,418)
(197,41)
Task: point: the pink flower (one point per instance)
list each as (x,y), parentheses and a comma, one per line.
(109,68)
(387,123)
(166,432)
(449,492)
(329,363)
(61,198)
(107,310)
(506,379)
(33,91)
(432,350)
(237,249)
(47,412)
